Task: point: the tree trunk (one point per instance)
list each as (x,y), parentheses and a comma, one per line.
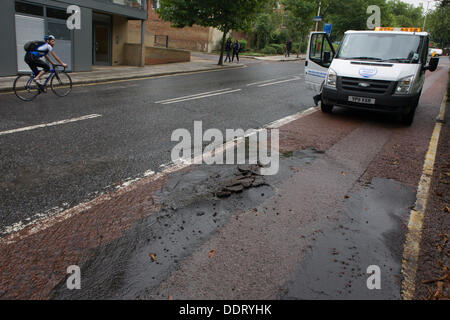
(222,47)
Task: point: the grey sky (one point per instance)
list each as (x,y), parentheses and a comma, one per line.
(418,2)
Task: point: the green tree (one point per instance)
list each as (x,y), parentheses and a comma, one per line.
(349,14)
(438,24)
(266,25)
(262,29)
(404,14)
(223,15)
(299,18)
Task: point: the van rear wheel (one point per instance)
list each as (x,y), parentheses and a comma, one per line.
(326,108)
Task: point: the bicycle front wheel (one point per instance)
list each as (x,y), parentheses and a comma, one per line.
(25,88)
(61,84)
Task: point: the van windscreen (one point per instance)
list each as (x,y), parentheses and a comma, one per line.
(380,47)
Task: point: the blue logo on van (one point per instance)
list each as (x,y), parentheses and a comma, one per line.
(368,72)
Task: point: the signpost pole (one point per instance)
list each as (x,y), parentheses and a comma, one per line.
(318,14)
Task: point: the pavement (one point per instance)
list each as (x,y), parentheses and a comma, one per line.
(199,62)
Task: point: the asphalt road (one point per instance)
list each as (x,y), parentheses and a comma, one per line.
(60,166)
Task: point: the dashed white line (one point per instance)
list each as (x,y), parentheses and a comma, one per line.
(265,81)
(44,125)
(202,96)
(193,95)
(277,82)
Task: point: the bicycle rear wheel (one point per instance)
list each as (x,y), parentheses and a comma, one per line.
(61,84)
(25,88)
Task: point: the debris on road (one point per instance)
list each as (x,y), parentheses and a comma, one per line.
(247,176)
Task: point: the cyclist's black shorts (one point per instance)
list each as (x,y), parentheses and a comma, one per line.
(34,62)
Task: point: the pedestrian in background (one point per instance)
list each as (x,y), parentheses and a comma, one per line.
(228,47)
(288,47)
(236,49)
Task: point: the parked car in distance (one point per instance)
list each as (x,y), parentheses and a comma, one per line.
(432,50)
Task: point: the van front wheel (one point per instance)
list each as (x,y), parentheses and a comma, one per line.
(407,119)
(326,108)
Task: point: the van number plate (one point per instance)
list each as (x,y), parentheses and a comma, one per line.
(361,100)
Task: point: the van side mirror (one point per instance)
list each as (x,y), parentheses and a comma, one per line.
(433,64)
(326,57)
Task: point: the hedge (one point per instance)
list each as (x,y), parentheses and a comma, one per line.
(269,50)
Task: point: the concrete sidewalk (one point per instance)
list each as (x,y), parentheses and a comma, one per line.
(108,73)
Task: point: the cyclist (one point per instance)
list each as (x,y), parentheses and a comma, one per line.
(33,59)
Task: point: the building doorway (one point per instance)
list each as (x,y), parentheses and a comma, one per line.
(102,39)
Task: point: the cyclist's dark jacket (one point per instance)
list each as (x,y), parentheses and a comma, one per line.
(32,58)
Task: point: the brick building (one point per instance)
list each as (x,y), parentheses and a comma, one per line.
(160,33)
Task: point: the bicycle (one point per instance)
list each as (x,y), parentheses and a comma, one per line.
(26,88)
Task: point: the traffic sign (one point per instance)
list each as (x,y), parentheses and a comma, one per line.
(327,28)
(317,18)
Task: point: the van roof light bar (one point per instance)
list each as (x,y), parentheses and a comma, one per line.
(398,29)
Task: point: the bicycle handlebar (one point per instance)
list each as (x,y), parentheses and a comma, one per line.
(59,65)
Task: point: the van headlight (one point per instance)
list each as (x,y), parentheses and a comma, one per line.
(330,80)
(404,85)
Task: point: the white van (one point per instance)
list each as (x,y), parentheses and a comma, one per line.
(372,70)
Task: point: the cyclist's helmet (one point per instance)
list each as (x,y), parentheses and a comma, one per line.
(49,37)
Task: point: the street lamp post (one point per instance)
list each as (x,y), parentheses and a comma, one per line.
(318,14)
(426,14)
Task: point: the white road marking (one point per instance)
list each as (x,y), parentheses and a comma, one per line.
(203,96)
(44,125)
(193,95)
(286,120)
(265,81)
(277,82)
(227,90)
(43,221)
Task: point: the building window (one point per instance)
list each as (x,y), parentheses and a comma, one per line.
(155,4)
(57,14)
(58,30)
(27,8)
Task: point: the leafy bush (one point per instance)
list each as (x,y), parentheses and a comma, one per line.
(280,48)
(243,44)
(280,37)
(303,45)
(295,47)
(269,50)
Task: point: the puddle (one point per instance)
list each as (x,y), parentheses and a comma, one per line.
(370,232)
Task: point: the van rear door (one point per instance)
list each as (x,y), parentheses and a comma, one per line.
(319,55)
